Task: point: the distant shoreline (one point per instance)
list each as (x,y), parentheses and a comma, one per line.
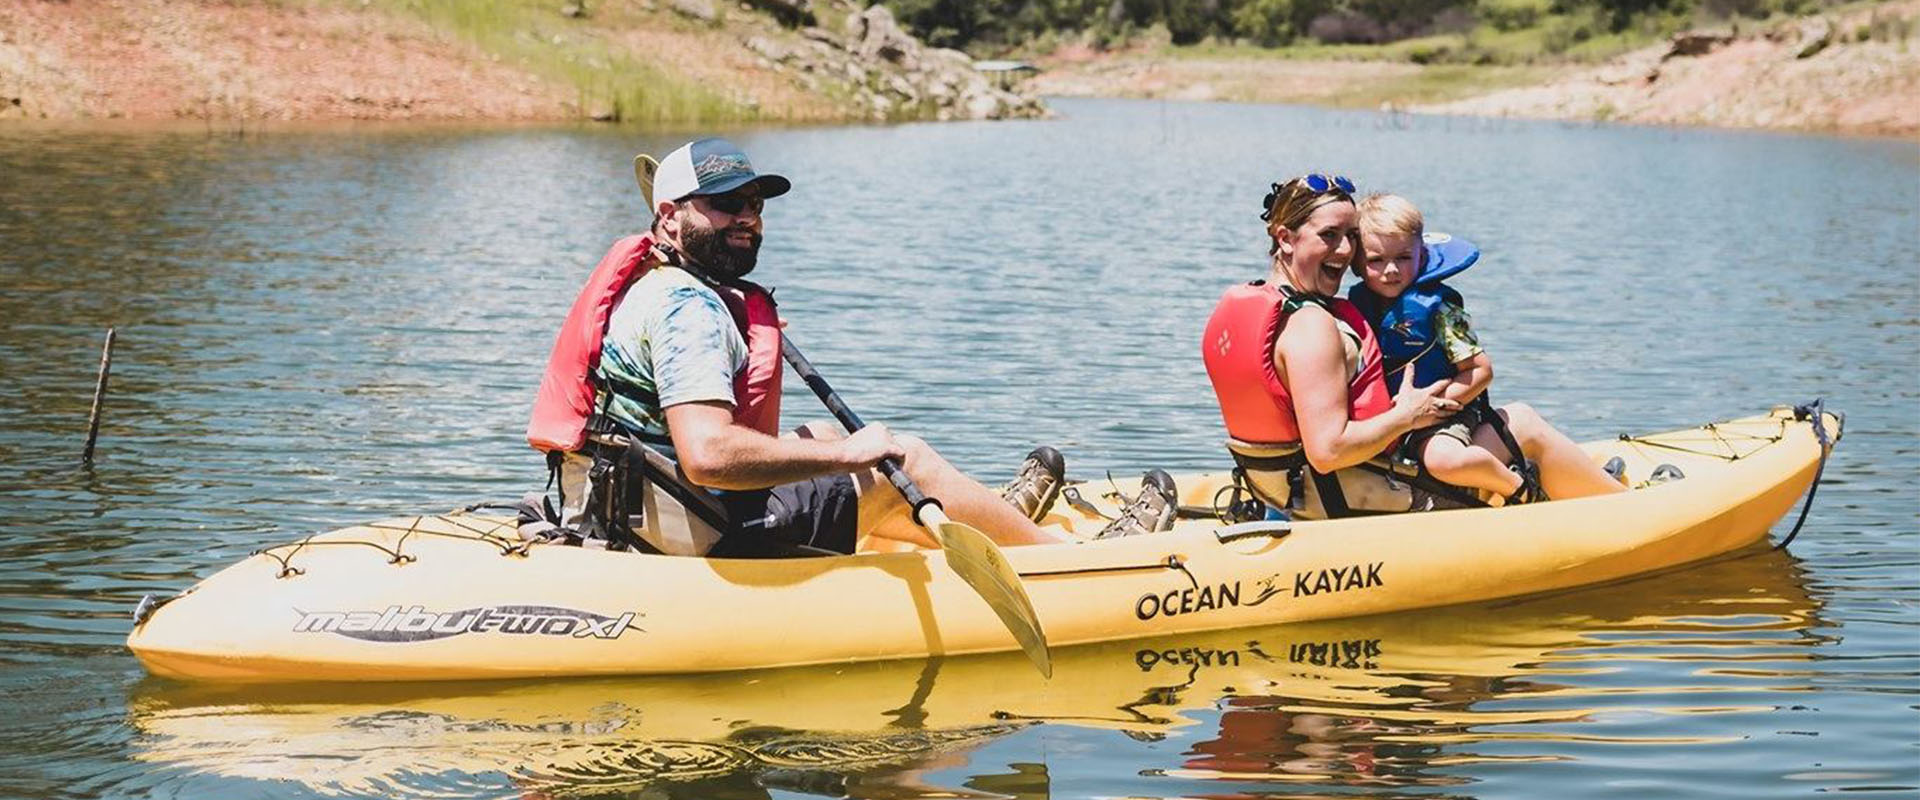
(330,63)
(1816,74)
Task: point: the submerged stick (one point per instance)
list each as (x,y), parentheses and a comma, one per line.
(99,395)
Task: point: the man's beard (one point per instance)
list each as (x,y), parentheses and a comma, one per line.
(707,248)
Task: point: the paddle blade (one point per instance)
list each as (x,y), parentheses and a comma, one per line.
(977,560)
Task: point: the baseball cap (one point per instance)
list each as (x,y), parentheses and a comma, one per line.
(701,167)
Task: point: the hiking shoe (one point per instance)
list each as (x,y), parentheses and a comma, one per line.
(1037,485)
(1150,511)
(1663,473)
(1616,467)
(1530,490)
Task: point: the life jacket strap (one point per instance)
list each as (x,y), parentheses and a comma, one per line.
(1296,300)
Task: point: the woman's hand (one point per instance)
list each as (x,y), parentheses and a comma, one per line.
(1422,405)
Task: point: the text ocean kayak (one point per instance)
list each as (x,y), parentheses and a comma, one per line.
(458,596)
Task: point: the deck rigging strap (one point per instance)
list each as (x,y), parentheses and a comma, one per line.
(1817,411)
(397,553)
(1719,437)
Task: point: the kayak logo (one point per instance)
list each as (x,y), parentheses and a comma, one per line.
(1337,579)
(1227,595)
(417,624)
(1315,581)
(1187,601)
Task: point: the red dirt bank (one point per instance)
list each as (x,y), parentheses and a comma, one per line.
(153,59)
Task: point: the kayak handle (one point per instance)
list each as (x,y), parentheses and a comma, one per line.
(1271,528)
(1817,411)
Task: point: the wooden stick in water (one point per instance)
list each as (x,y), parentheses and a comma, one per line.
(99,395)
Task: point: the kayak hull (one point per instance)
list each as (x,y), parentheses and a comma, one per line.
(456,596)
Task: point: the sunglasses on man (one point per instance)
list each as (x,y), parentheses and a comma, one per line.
(732,203)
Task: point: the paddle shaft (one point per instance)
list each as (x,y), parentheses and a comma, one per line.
(970,554)
(889,467)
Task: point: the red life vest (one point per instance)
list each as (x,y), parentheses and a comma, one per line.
(567,392)
(1238,348)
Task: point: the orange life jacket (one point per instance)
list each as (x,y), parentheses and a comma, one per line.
(1238,349)
(567,393)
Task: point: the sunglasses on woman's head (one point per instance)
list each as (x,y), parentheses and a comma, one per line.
(1315,182)
(1321,184)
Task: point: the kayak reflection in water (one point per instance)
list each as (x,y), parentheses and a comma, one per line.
(1302,385)
(660,407)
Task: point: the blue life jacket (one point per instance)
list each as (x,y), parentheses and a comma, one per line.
(1407,324)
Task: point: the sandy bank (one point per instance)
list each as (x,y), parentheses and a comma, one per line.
(1812,74)
(1819,73)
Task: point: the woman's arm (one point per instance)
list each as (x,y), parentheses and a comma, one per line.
(1311,361)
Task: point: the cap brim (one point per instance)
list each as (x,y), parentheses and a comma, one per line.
(644,167)
(770,185)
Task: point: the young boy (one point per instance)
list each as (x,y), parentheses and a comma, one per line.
(1423,326)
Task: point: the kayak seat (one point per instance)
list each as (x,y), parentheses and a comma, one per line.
(1278,474)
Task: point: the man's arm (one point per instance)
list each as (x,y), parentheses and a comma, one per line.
(719,454)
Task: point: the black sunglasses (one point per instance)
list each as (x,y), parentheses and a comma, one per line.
(1315,182)
(732,203)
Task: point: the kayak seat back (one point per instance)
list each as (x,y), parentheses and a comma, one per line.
(1279,475)
(619,489)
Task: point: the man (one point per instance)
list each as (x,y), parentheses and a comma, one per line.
(688,364)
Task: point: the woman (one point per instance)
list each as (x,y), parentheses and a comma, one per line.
(1299,378)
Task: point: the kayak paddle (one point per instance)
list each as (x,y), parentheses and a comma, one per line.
(973,556)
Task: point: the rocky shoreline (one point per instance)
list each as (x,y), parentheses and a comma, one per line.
(892,74)
(1825,73)
(773,60)
(1856,72)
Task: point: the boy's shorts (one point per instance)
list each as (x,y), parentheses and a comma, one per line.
(1458,427)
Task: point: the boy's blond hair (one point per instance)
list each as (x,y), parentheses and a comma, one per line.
(1391,214)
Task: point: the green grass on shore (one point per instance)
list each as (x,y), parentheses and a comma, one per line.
(1440,83)
(1558,40)
(534,35)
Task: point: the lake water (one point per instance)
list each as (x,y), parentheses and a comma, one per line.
(320,327)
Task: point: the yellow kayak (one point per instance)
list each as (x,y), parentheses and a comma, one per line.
(625,733)
(460,596)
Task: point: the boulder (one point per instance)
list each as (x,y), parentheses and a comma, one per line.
(881,37)
(1815,35)
(823,36)
(1696,43)
(768,49)
(702,10)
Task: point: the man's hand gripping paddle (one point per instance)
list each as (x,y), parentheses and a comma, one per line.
(973,556)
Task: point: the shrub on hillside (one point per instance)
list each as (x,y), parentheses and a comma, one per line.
(1512,15)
